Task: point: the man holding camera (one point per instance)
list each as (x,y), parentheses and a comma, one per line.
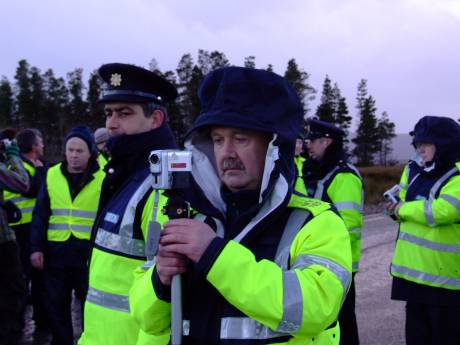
(327,175)
(135,107)
(260,263)
(13,177)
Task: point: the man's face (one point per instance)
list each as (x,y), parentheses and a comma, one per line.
(317,147)
(298,146)
(426,151)
(38,147)
(240,157)
(77,155)
(127,118)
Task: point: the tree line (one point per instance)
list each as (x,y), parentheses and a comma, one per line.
(54,104)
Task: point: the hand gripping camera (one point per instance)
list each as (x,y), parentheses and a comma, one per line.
(391,194)
(171,171)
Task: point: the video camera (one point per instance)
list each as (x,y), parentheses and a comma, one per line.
(170,168)
(391,194)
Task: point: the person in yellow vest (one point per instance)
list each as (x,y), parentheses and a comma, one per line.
(426,260)
(328,175)
(30,143)
(135,102)
(101,136)
(260,264)
(61,228)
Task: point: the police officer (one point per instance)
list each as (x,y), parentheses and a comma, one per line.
(135,107)
(328,175)
(260,264)
(30,143)
(61,228)
(426,261)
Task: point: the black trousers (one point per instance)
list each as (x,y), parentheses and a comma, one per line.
(59,282)
(432,325)
(32,276)
(12,291)
(347,318)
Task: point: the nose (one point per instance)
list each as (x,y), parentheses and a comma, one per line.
(111,122)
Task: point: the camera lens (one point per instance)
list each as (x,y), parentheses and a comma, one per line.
(154,159)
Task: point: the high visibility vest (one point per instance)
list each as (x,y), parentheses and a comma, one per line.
(270,306)
(119,248)
(343,187)
(427,249)
(25,204)
(71,217)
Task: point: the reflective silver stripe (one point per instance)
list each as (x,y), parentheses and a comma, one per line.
(292,304)
(60,212)
(18,199)
(58,226)
(442,247)
(451,200)
(428,210)
(403,185)
(341,272)
(441,180)
(320,185)
(357,231)
(347,205)
(81,228)
(244,328)
(108,300)
(27,209)
(119,243)
(65,226)
(75,213)
(295,222)
(355,266)
(431,278)
(352,167)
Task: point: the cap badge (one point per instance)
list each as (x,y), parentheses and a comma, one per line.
(115,79)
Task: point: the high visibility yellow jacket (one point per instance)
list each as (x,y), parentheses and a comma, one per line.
(119,249)
(343,187)
(71,217)
(427,249)
(25,204)
(293,299)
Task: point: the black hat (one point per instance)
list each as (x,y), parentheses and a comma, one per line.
(84,133)
(322,129)
(132,84)
(249,98)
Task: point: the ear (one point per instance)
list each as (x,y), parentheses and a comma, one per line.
(328,141)
(158,118)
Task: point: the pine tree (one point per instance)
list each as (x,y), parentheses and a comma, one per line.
(77,107)
(23,92)
(6,103)
(269,67)
(386,132)
(342,119)
(367,138)
(37,98)
(175,121)
(326,110)
(185,98)
(95,109)
(250,61)
(299,81)
(218,60)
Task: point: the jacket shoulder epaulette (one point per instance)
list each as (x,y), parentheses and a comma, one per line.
(314,206)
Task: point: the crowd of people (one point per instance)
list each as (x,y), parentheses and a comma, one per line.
(273,241)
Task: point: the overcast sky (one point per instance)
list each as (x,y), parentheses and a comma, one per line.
(409,50)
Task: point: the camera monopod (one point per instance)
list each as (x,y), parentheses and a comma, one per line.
(171,172)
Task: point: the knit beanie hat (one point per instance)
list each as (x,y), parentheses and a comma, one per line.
(101,135)
(83,132)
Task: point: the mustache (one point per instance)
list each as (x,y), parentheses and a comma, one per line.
(232,164)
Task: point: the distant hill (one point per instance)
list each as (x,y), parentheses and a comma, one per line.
(402,148)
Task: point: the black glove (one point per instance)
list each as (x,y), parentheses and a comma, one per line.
(12,150)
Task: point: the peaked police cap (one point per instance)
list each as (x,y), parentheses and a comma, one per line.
(322,129)
(133,84)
